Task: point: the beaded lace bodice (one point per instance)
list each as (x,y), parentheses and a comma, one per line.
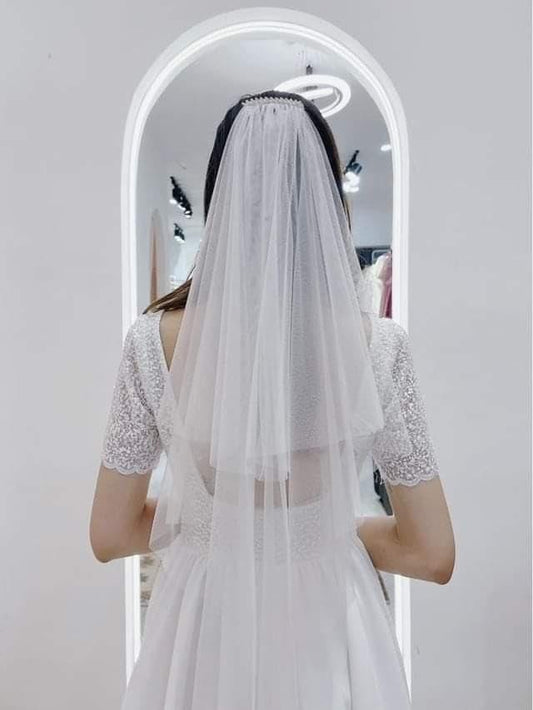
(136,435)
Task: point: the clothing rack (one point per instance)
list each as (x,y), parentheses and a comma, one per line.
(368,255)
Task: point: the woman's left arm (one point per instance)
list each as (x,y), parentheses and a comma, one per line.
(121,516)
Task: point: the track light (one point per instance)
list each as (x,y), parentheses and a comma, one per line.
(179,198)
(179,235)
(351,175)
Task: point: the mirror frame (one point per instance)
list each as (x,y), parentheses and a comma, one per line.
(188,47)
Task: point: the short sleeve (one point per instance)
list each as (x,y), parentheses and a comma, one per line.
(407,457)
(131,440)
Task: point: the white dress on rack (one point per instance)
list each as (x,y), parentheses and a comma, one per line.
(367,673)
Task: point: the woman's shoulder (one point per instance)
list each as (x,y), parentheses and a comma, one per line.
(143,327)
(389,344)
(145,350)
(161,326)
(142,338)
(387,332)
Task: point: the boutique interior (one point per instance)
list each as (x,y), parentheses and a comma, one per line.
(175,148)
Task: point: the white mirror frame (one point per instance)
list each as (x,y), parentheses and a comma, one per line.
(185,50)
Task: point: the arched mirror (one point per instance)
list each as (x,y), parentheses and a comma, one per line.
(171,134)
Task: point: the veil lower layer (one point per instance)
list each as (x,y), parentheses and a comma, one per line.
(271,406)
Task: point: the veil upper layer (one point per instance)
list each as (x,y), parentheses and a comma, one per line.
(270,407)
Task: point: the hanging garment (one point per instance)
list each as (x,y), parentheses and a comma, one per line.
(373,288)
(385,274)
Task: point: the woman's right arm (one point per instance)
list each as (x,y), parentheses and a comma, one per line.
(417,540)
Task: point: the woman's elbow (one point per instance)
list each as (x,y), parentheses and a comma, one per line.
(102,555)
(105,542)
(101,549)
(440,565)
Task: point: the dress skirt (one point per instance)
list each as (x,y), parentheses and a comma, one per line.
(362,670)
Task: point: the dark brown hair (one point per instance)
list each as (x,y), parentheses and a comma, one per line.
(178,298)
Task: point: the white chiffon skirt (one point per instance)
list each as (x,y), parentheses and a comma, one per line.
(365,673)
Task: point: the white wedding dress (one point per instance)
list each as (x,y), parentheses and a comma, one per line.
(365,673)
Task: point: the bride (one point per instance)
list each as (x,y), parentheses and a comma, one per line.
(265,382)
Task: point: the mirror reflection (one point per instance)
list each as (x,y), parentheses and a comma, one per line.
(175,150)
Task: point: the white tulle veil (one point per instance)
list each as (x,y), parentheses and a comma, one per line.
(271,405)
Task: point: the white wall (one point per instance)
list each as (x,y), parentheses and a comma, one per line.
(68,74)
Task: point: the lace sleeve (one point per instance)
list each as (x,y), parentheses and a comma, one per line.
(407,457)
(131,441)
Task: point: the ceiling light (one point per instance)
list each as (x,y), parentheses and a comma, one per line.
(386,147)
(308,84)
(314,94)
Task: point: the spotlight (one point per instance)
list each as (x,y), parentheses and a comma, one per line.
(179,198)
(179,235)
(350,185)
(351,174)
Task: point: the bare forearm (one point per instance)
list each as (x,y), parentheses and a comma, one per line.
(388,552)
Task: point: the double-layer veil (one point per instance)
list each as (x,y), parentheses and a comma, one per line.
(273,405)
